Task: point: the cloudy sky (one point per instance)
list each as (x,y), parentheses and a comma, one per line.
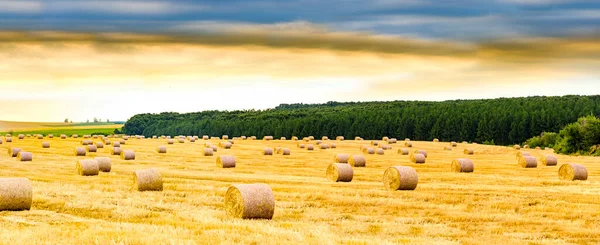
(113,59)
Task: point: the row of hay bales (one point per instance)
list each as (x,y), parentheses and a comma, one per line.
(568,171)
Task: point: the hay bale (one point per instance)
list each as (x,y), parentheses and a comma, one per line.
(528,162)
(116,144)
(214,148)
(403,151)
(522,154)
(385,138)
(250,201)
(417,158)
(374,143)
(103,164)
(45,144)
(226,162)
(268,138)
(180,140)
(0,141)
(357,138)
(311,137)
(333,146)
(571,171)
(400,178)
(526,146)
(339,172)
(161,149)
(310,147)
(408,144)
(379,151)
(63,136)
(170,141)
(517,147)
(8,139)
(205,137)
(369,151)
(318,142)
(122,142)
(392,141)
(305,139)
(87,167)
(549,160)
(80,151)
(340,138)
(436,140)
(225,137)
(284,151)
(324,146)
(21,136)
(192,140)
(226,145)
(252,137)
(453,144)
(39,137)
(423,152)
(99,144)
(301,146)
(324,138)
(469,152)
(86,142)
(91,148)
(294,138)
(15,194)
(207,152)
(116,151)
(357,161)
(268,152)
(341,158)
(24,156)
(282,138)
(462,165)
(446,148)
(128,155)
(147,180)
(538,148)
(74,136)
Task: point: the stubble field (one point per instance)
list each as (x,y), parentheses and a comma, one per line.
(499,203)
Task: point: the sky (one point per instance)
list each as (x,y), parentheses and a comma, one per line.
(113,59)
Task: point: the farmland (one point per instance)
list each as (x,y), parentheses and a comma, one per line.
(46,128)
(499,202)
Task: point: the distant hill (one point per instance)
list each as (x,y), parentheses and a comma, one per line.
(499,121)
(53,128)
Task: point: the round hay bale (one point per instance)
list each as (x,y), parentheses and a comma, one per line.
(357,161)
(15,194)
(417,158)
(51,136)
(80,151)
(268,152)
(284,151)
(403,151)
(252,137)
(374,143)
(0,141)
(170,141)
(408,144)
(24,156)
(469,152)
(446,148)
(45,144)
(333,146)
(74,136)
(453,144)
(385,138)
(99,144)
(465,142)
(436,140)
(357,138)
(526,146)
(379,151)
(192,140)
(324,146)
(62,136)
(250,201)
(8,139)
(324,138)
(406,139)
(340,138)
(208,152)
(87,167)
(116,144)
(522,154)
(226,162)
(311,137)
(549,160)
(225,137)
(305,139)
(400,178)
(128,155)
(294,138)
(116,151)
(528,162)
(423,152)
(205,137)
(282,138)
(339,172)
(91,148)
(161,149)
(517,147)
(39,137)
(147,180)
(341,158)
(21,136)
(310,147)
(180,140)
(301,146)
(226,145)
(103,164)
(369,151)
(462,165)
(214,148)
(318,142)
(571,171)
(538,148)
(268,138)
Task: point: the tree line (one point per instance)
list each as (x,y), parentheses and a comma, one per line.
(502,121)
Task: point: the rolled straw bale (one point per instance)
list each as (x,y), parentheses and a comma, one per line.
(253,137)
(528,162)
(462,165)
(341,158)
(226,145)
(518,147)
(357,161)
(0,141)
(522,154)
(147,180)
(192,140)
(63,136)
(379,151)
(154,137)
(333,146)
(465,142)
(417,158)
(86,136)
(128,155)
(305,139)
(161,149)
(324,146)
(408,144)
(446,148)
(99,144)
(80,151)
(7,135)
(250,201)
(282,138)
(374,143)
(324,138)
(268,151)
(116,144)
(87,167)
(369,151)
(284,151)
(406,139)
(74,136)
(91,148)
(318,142)
(122,142)
(310,147)
(208,152)
(170,141)
(225,137)
(15,194)
(436,140)
(538,148)
(243,137)
(116,151)
(214,148)
(226,162)
(24,156)
(469,152)
(311,137)
(357,138)
(403,151)
(205,137)
(385,138)
(392,141)
(423,152)
(400,178)
(571,171)
(8,139)
(104,164)
(301,146)
(39,137)
(86,142)
(339,172)
(268,138)
(294,138)
(340,138)
(21,136)
(526,146)
(45,144)
(28,135)
(180,140)
(453,144)
(549,160)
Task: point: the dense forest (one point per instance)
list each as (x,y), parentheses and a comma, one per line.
(501,121)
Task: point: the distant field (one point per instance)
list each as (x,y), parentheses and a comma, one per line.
(499,203)
(57,128)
